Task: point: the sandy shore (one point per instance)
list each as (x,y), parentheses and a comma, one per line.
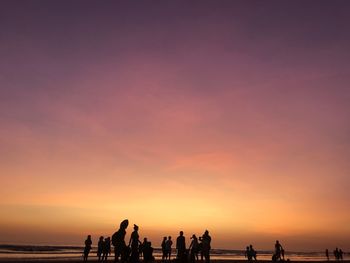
(42,260)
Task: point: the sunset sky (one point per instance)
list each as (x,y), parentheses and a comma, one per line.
(231,116)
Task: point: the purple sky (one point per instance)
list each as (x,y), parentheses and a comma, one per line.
(247,101)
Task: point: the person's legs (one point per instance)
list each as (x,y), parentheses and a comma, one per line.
(116,254)
(207,256)
(169,255)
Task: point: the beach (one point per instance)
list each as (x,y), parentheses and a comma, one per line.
(75,260)
(71,253)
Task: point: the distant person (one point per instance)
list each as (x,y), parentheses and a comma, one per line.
(278,249)
(142,247)
(134,244)
(327,254)
(336,254)
(340,254)
(87,248)
(194,249)
(206,241)
(253,252)
(118,241)
(163,246)
(100,248)
(248,254)
(168,247)
(181,247)
(200,247)
(148,252)
(106,250)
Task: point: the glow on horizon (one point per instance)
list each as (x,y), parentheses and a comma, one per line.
(249,139)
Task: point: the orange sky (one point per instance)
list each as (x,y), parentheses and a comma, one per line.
(176,124)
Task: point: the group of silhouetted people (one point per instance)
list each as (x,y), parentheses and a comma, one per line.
(122,252)
(166,245)
(338,254)
(135,250)
(103,248)
(200,245)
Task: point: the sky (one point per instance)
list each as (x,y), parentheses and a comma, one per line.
(231,116)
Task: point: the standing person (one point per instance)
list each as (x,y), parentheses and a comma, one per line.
(336,253)
(278,249)
(142,248)
(248,254)
(100,248)
(340,254)
(148,252)
(253,252)
(200,247)
(164,252)
(134,244)
(118,241)
(87,248)
(327,254)
(181,247)
(106,249)
(206,240)
(168,245)
(194,249)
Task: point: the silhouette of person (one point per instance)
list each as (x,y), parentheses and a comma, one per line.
(100,248)
(206,240)
(134,244)
(194,248)
(278,249)
(181,247)
(253,252)
(142,247)
(248,254)
(340,254)
(336,254)
(147,251)
(164,252)
(168,245)
(118,241)
(327,254)
(87,248)
(106,249)
(200,247)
